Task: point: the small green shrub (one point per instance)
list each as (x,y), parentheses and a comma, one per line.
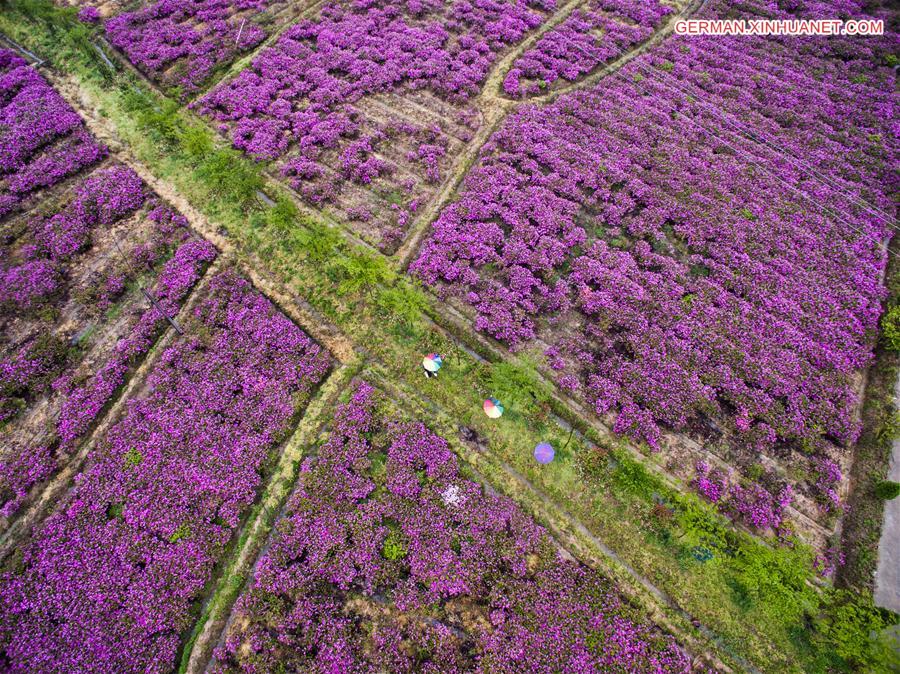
(183,531)
(227,173)
(890,327)
(887,490)
(518,386)
(393,547)
(359,272)
(890,429)
(775,582)
(133,457)
(849,628)
(283,216)
(114,510)
(401,304)
(632,477)
(196,143)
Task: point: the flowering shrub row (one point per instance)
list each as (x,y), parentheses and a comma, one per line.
(678,279)
(44,366)
(42,139)
(106,584)
(308,99)
(180,43)
(586,39)
(387,559)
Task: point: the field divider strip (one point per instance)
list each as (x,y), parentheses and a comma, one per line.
(299,310)
(624,58)
(573,412)
(198,650)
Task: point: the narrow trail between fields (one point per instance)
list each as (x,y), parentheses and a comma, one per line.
(496,107)
(255,535)
(887,576)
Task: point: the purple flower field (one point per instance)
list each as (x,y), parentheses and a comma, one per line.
(665,256)
(330,100)
(387,559)
(62,357)
(42,139)
(108,582)
(181,43)
(585,40)
(677,280)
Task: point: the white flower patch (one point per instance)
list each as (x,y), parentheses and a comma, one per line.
(452,496)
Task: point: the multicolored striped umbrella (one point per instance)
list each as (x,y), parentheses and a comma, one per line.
(493,408)
(432,362)
(544,453)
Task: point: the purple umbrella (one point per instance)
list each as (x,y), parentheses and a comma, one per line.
(544,453)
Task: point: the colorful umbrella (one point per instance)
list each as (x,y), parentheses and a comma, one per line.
(432,362)
(493,408)
(544,453)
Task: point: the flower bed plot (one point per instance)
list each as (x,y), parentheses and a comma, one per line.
(43,141)
(75,317)
(600,32)
(182,43)
(681,286)
(107,583)
(388,559)
(366,105)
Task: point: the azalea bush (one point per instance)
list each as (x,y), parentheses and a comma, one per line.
(107,583)
(388,559)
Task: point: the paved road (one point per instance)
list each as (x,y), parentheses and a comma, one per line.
(887,578)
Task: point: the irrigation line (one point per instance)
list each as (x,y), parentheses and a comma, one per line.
(109,64)
(144,291)
(15,46)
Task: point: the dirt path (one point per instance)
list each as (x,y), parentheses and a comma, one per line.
(887,577)
(495,108)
